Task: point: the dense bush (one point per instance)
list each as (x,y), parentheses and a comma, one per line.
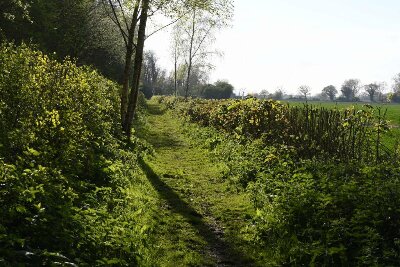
(310,211)
(63,169)
(314,212)
(330,215)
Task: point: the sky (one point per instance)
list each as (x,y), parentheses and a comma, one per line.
(288,43)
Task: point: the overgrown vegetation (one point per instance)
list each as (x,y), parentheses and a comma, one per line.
(65,175)
(314,205)
(201,215)
(343,135)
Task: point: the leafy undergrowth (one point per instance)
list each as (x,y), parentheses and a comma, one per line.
(203,219)
(71,191)
(317,211)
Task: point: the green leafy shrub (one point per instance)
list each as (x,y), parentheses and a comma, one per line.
(64,171)
(311,209)
(65,113)
(314,132)
(329,214)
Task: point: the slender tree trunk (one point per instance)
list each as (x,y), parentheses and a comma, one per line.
(125,82)
(190,55)
(128,64)
(175,72)
(137,68)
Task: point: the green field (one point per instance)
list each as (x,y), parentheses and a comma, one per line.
(393,110)
(391,139)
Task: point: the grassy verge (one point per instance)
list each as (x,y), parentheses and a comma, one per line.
(202,218)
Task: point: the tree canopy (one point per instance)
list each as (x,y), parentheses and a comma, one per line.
(330,91)
(350,89)
(219,90)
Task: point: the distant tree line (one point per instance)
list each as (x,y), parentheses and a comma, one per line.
(351,91)
(277,95)
(157,81)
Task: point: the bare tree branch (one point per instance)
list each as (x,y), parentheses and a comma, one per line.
(123,13)
(116,21)
(163,27)
(203,39)
(154,11)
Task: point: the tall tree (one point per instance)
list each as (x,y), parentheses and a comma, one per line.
(127,23)
(131,18)
(304,90)
(350,89)
(55,26)
(219,90)
(396,83)
(197,33)
(264,93)
(153,80)
(13,11)
(74,28)
(137,67)
(330,91)
(150,70)
(278,94)
(372,90)
(176,48)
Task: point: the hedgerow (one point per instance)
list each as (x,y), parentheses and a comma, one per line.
(345,135)
(314,208)
(65,172)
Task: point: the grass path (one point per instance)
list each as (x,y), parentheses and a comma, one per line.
(201,217)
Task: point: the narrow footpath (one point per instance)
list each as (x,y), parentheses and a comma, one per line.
(201,217)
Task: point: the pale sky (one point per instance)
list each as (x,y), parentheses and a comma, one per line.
(288,43)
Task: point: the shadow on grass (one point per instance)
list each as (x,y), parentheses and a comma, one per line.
(222,251)
(155,109)
(156,138)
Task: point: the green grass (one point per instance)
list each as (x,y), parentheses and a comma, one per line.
(393,110)
(201,220)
